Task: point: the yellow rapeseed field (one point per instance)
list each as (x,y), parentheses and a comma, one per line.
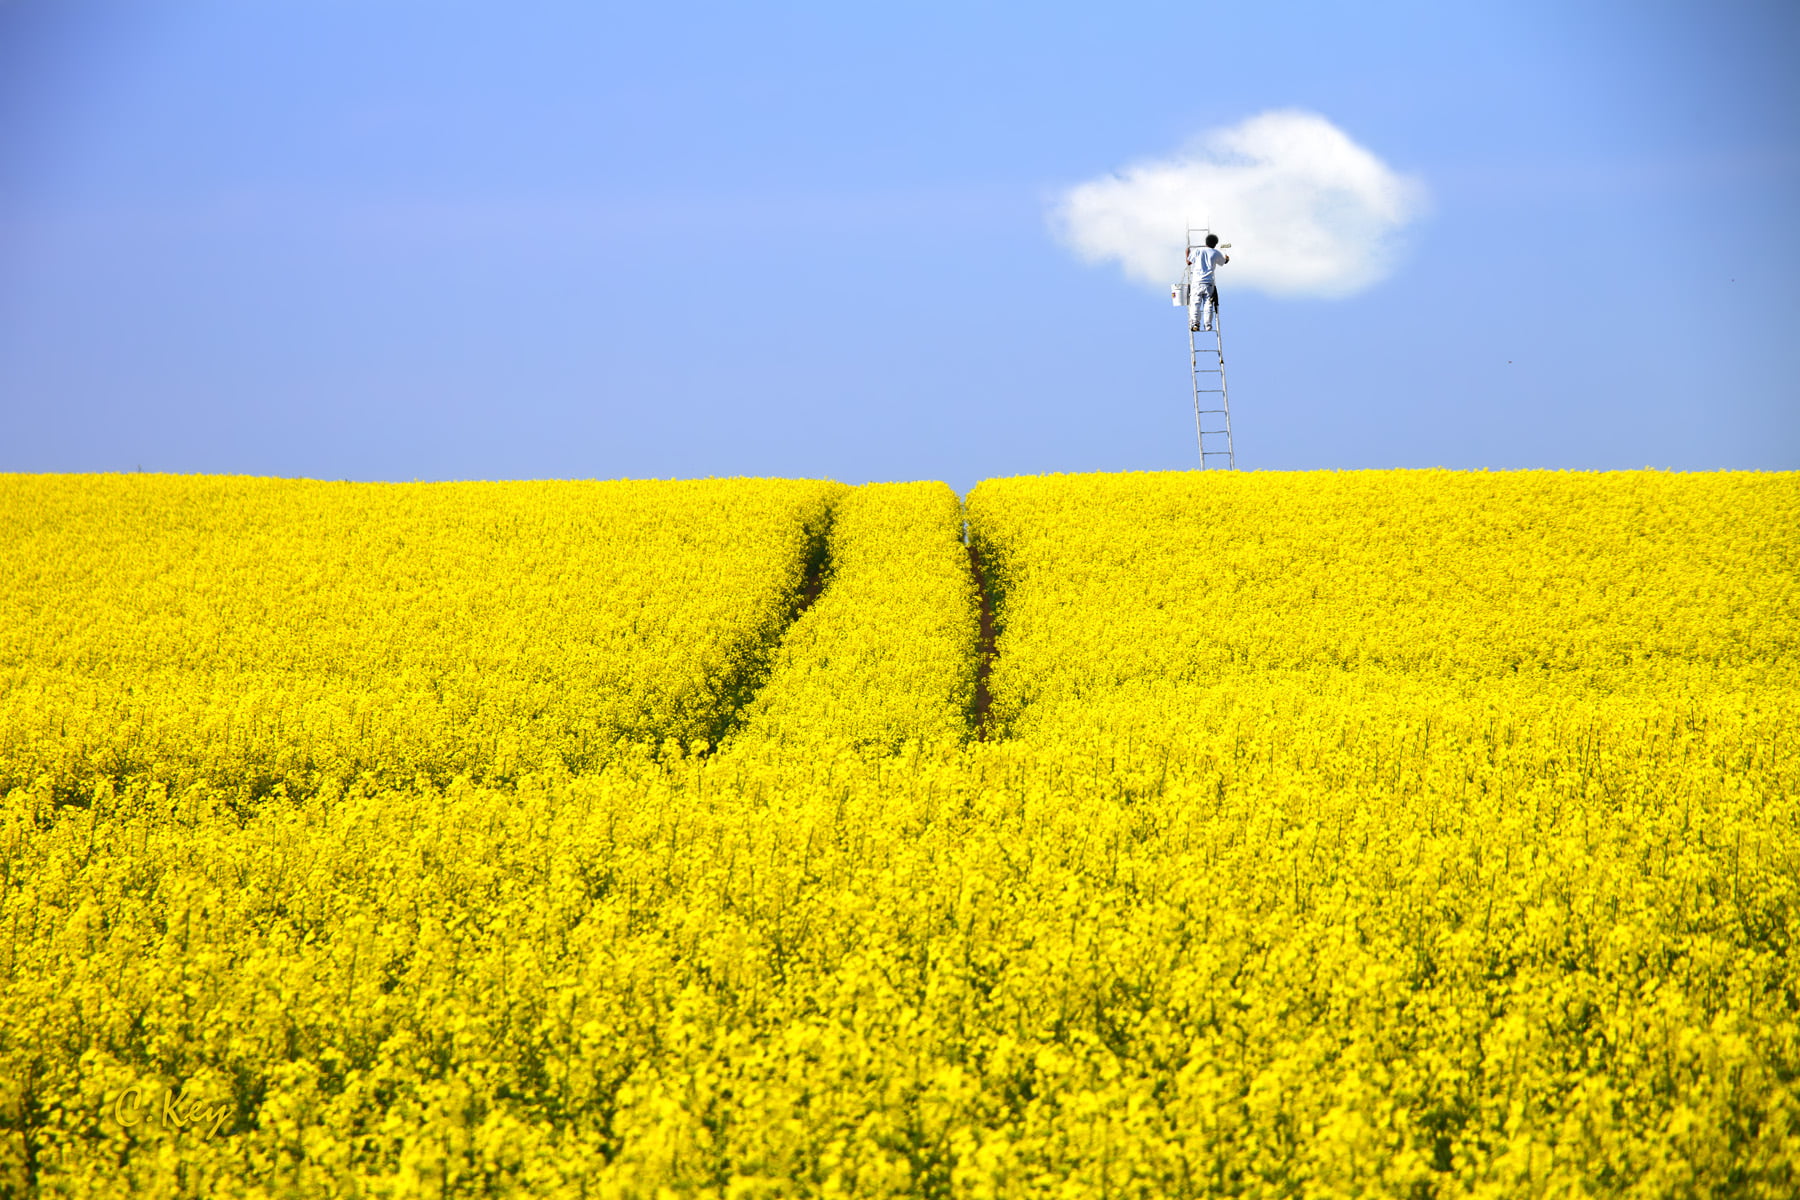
(1410,834)
(264,632)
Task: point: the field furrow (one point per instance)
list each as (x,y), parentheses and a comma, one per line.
(887,654)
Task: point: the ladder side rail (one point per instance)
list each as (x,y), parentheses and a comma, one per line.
(1193,361)
(1224,394)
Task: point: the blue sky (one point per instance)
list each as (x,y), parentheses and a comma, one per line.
(385,240)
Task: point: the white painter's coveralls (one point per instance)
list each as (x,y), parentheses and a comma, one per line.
(1202,288)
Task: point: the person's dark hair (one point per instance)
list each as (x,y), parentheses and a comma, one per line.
(1212,239)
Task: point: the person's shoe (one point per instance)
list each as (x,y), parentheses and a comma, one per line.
(1193,329)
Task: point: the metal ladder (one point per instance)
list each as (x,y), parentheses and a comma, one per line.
(1206,356)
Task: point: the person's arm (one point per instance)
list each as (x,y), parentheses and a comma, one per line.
(1224,258)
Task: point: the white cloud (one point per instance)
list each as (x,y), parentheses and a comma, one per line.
(1308,211)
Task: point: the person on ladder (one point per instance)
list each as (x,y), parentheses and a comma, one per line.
(1203,291)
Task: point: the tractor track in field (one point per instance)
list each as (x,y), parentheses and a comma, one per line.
(817,564)
(818,571)
(984,647)
(737,694)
